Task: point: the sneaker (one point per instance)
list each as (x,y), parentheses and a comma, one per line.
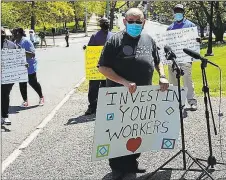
(193,107)
(6,121)
(24,104)
(41,102)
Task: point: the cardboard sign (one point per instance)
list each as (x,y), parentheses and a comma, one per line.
(13,66)
(132,123)
(92,58)
(177,40)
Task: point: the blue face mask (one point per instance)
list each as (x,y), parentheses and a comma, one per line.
(134,30)
(178,16)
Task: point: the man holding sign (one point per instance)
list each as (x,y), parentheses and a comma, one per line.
(180,23)
(97,39)
(128,59)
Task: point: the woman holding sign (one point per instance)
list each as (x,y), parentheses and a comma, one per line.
(26,44)
(5,88)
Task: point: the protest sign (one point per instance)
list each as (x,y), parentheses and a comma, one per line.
(13,66)
(92,58)
(178,40)
(132,123)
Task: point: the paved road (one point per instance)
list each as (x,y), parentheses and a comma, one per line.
(59,70)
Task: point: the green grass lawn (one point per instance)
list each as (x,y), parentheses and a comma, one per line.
(212,73)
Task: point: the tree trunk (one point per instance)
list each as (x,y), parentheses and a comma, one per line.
(76,23)
(218,27)
(33,16)
(112,11)
(65,24)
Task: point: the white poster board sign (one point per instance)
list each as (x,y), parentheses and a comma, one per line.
(132,123)
(178,40)
(13,68)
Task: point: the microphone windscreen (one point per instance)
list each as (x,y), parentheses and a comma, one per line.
(192,53)
(167,49)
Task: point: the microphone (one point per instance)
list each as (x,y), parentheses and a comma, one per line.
(169,53)
(197,56)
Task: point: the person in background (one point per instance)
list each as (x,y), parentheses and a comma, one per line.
(25,43)
(180,23)
(129,59)
(5,88)
(32,35)
(97,39)
(67,37)
(42,36)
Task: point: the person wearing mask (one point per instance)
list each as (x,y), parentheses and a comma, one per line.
(97,39)
(25,43)
(67,37)
(180,23)
(5,88)
(129,59)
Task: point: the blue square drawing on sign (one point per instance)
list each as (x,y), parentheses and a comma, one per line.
(103,150)
(110,116)
(168,143)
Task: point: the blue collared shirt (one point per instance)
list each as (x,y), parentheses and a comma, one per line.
(184,24)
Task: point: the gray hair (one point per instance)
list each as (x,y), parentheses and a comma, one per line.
(135,12)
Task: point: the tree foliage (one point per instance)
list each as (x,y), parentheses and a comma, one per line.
(19,13)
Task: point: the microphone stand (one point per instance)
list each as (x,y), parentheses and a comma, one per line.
(179,73)
(211,159)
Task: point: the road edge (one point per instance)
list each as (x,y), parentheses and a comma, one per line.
(12,157)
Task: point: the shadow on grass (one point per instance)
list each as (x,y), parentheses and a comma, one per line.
(205,45)
(81,119)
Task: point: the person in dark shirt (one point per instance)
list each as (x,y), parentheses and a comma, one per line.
(180,23)
(42,36)
(67,36)
(129,59)
(97,39)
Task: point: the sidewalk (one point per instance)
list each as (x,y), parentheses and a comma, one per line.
(63,149)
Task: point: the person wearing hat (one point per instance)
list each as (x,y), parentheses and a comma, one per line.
(97,39)
(180,23)
(25,43)
(5,88)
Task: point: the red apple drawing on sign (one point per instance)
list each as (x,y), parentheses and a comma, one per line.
(133,144)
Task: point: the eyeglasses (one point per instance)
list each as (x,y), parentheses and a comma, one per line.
(137,22)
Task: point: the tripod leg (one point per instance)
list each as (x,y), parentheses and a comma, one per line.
(204,170)
(187,170)
(203,174)
(153,173)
